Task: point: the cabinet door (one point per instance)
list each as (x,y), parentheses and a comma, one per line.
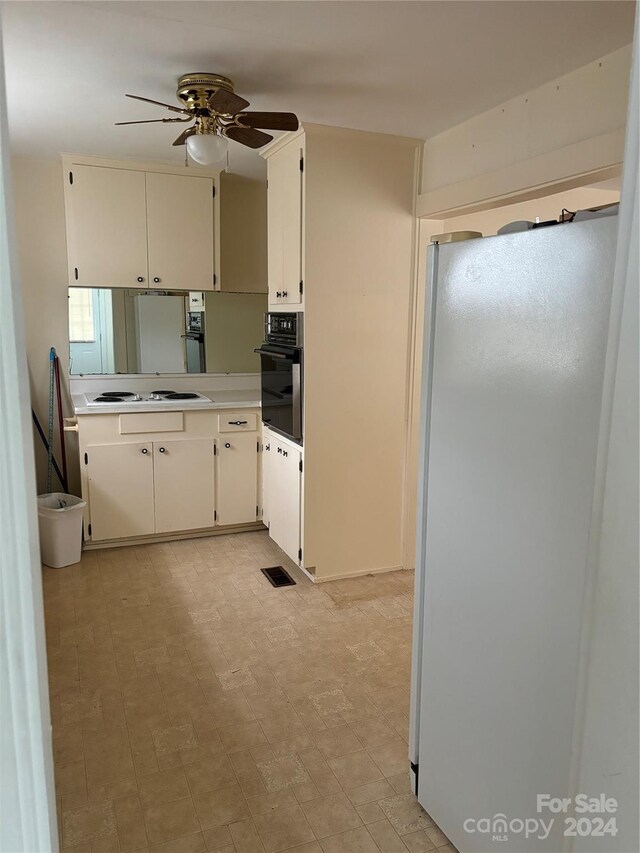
(237,478)
(184,484)
(268,454)
(285,223)
(106,227)
(120,490)
(284,498)
(180,231)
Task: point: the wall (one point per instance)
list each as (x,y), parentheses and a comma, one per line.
(571,125)
(40,229)
(234,326)
(360,240)
(243,234)
(548,207)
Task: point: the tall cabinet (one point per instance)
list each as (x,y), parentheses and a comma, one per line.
(341,230)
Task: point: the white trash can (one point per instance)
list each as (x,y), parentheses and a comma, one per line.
(60,524)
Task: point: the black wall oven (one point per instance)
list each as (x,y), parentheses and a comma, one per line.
(281,369)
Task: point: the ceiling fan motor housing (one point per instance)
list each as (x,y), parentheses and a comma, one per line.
(195,89)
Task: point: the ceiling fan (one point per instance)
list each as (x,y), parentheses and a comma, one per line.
(218,115)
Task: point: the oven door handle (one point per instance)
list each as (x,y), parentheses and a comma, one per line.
(271,354)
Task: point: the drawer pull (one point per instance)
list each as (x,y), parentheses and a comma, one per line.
(161,450)
(238,423)
(144,450)
(226,444)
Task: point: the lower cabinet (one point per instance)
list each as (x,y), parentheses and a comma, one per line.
(193,471)
(183,484)
(237,478)
(121,490)
(151,487)
(282,487)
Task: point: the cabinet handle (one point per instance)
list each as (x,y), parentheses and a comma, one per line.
(284,294)
(267,447)
(285,452)
(144,450)
(156,279)
(226,444)
(279,450)
(140,279)
(278,294)
(238,423)
(161,450)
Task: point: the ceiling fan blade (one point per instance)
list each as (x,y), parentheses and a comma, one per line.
(152,120)
(269,121)
(184,135)
(158,103)
(227,103)
(248,136)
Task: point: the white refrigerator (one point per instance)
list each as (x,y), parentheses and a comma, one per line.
(515,337)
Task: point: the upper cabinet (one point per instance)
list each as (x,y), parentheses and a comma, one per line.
(285,205)
(106,227)
(180,231)
(129,227)
(166,228)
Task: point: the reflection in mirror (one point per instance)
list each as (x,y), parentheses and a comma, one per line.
(142,331)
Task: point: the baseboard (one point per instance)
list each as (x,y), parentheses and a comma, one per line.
(357,574)
(174,537)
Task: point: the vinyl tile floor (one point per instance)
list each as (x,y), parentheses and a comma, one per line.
(196,708)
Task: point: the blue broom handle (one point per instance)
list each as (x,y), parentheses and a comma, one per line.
(52,356)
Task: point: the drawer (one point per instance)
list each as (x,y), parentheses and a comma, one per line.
(238,422)
(151,422)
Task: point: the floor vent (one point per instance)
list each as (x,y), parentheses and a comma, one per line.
(277,576)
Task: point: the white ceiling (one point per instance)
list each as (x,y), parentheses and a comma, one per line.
(411,68)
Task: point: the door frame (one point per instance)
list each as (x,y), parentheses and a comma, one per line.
(27,796)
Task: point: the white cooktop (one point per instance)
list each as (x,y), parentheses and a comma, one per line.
(147,400)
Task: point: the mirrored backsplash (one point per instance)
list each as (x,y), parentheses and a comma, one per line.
(120,331)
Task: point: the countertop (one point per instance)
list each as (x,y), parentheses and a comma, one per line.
(218,400)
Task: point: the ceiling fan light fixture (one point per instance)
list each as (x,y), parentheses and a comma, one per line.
(207,149)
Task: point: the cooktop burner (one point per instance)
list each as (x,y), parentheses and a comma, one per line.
(184,395)
(108,398)
(118,394)
(163,392)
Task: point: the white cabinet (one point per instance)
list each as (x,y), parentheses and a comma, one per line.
(127,227)
(237,477)
(180,231)
(282,479)
(121,494)
(106,227)
(151,487)
(183,484)
(285,210)
(342,221)
(159,473)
